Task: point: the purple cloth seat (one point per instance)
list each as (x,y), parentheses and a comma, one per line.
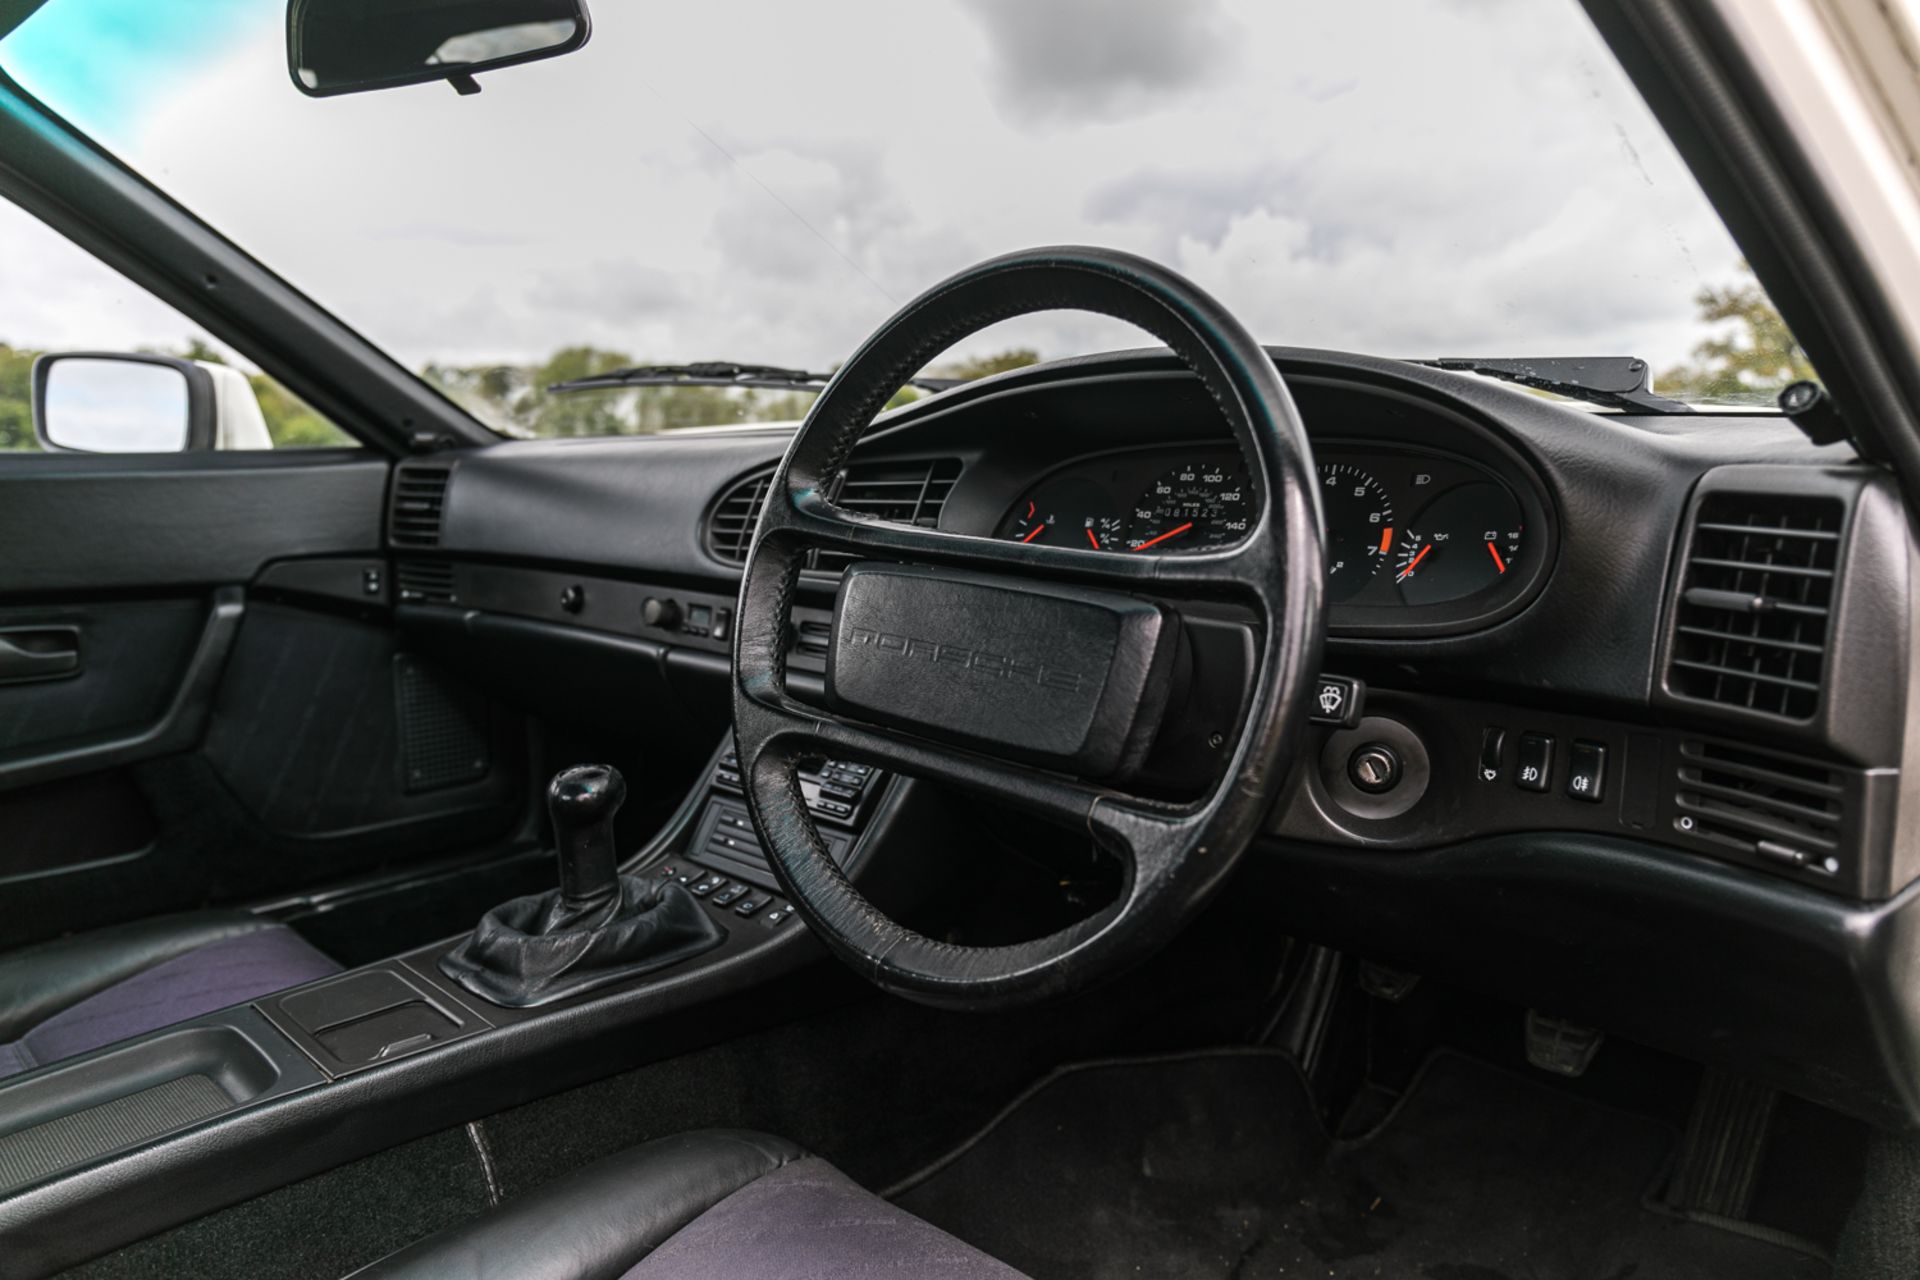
(809,1221)
(717,1204)
(95,989)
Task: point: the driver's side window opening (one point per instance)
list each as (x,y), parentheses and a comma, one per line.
(56,298)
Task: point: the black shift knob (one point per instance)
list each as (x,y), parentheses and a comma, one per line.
(582,801)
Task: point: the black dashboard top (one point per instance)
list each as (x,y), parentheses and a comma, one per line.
(1576,609)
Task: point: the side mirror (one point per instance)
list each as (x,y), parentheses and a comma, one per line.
(351,46)
(114,402)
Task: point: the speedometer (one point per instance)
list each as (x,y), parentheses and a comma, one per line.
(1192,507)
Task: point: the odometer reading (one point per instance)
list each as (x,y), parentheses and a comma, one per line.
(1198,505)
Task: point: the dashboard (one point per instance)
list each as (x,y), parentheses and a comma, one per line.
(1403,528)
(1577,635)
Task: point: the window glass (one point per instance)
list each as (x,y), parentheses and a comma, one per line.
(55,296)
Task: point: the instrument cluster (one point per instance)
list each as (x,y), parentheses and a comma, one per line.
(1403,526)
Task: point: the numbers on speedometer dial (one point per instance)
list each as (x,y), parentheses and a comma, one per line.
(1196,505)
(1359,519)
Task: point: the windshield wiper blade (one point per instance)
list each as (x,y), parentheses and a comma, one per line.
(1619,382)
(719,373)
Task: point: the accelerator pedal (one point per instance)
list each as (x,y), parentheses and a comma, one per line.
(1564,1048)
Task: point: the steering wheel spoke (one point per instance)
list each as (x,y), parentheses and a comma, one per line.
(809,734)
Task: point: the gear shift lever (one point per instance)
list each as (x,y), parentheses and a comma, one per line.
(582,802)
(598,927)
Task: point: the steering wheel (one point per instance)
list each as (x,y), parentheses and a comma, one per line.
(1031,674)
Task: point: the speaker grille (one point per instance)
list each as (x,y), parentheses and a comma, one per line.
(443,727)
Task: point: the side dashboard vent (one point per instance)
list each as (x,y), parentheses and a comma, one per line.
(1750,628)
(731,523)
(1783,808)
(908,492)
(419,503)
(424,582)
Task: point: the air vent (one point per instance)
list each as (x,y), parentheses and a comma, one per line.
(911,492)
(899,492)
(1783,808)
(419,502)
(730,526)
(424,582)
(812,639)
(1750,629)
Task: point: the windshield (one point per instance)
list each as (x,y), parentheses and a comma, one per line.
(764,180)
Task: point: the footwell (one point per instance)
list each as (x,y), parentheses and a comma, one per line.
(1215,1164)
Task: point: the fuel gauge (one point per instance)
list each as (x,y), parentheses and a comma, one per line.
(1067,513)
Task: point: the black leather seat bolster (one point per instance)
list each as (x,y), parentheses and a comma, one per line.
(596,1223)
(37,982)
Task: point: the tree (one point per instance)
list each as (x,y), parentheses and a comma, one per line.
(292,423)
(1751,354)
(985,366)
(514,398)
(16,403)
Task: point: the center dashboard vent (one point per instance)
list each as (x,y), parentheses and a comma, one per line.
(419,503)
(910,491)
(1751,625)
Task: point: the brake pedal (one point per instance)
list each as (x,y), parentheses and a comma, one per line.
(1564,1048)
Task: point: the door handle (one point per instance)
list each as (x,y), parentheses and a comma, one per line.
(42,653)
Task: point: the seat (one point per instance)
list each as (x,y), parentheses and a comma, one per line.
(717,1204)
(62,998)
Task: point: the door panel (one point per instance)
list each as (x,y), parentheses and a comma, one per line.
(76,523)
(229,730)
(130,660)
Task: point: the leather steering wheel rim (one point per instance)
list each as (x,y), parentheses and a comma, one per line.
(1175,854)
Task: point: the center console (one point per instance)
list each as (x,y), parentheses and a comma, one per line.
(103,1149)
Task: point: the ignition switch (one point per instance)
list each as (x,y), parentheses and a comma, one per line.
(1374,768)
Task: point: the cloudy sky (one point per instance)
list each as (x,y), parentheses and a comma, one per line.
(768,179)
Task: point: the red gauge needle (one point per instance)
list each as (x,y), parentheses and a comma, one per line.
(1037,531)
(1171,533)
(1095,541)
(1495,553)
(1414,563)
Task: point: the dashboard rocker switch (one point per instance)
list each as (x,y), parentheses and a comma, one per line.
(1338,701)
(1493,747)
(1535,769)
(1586,771)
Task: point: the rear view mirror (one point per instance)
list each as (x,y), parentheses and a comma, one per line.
(351,46)
(109,402)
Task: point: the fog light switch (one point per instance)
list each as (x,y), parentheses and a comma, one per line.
(1586,771)
(1535,767)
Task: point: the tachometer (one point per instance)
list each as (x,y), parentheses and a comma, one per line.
(1359,533)
(1192,507)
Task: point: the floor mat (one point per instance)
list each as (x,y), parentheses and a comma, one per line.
(1214,1165)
